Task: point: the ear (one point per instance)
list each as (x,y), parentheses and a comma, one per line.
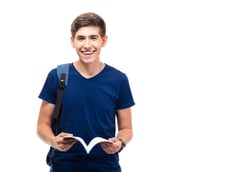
(105,39)
(72,42)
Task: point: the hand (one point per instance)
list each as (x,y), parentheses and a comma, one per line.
(111,148)
(63,145)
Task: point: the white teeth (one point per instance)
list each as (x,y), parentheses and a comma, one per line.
(87,53)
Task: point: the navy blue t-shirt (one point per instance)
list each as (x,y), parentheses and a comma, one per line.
(89,105)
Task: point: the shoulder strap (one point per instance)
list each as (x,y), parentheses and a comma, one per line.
(61,86)
(63,68)
(62,72)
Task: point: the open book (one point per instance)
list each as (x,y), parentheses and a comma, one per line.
(92,143)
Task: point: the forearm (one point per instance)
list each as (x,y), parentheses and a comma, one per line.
(125,130)
(45,133)
(125,134)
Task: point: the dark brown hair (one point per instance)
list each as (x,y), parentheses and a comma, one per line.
(88,19)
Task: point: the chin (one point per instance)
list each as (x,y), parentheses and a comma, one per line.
(88,60)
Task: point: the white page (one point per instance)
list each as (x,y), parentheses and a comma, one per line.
(92,143)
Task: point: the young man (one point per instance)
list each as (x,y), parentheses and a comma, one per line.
(96,95)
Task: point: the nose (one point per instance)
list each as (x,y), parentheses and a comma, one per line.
(87,43)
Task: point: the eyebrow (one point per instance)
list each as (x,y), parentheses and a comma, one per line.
(90,36)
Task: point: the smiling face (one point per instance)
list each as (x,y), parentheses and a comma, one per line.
(88,43)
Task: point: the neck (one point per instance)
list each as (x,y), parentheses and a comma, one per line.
(88,70)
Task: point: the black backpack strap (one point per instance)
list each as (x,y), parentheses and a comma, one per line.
(57,109)
(62,72)
(61,86)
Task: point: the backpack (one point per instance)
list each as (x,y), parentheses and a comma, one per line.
(62,72)
(63,68)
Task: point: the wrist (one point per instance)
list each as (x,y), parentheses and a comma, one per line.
(123,144)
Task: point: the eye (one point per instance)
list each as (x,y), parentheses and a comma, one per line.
(80,38)
(94,37)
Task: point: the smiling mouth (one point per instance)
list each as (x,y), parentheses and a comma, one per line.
(88,52)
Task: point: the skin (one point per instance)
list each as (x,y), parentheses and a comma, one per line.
(88,44)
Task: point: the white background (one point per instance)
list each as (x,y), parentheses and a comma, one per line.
(174,53)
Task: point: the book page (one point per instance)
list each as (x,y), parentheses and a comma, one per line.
(95,141)
(92,143)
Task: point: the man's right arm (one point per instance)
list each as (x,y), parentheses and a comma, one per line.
(44,130)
